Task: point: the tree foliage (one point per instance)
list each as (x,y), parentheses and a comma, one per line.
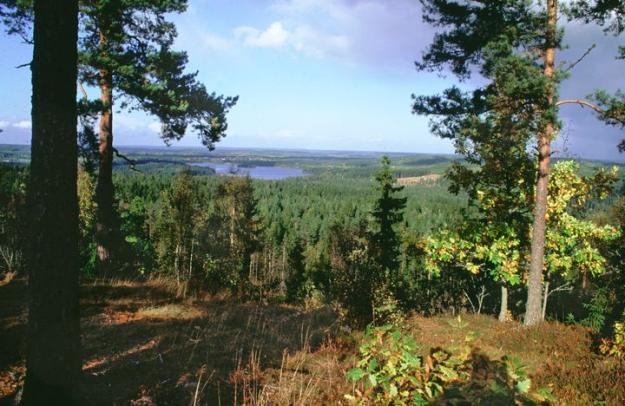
(573,244)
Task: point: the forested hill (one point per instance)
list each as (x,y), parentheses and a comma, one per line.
(307,238)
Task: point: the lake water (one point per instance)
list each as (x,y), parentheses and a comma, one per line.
(255,172)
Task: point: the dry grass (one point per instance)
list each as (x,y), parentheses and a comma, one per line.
(143,346)
(140,342)
(534,346)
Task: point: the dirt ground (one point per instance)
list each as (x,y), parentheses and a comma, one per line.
(142,346)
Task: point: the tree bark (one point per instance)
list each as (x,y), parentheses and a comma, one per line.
(105,224)
(53,359)
(545,298)
(533,311)
(503,309)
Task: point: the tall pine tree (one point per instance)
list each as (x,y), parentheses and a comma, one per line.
(53,361)
(473,38)
(126,52)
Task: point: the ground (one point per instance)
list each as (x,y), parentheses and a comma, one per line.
(142,346)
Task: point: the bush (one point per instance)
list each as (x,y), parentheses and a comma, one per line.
(391,372)
(615,346)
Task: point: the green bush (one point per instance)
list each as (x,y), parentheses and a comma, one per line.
(390,372)
(597,309)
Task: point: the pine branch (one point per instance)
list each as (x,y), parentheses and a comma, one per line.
(582,103)
(605,114)
(23,65)
(130,162)
(581,58)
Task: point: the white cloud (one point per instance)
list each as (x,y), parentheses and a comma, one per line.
(129,122)
(387,33)
(308,40)
(300,38)
(4,123)
(155,126)
(275,36)
(24,124)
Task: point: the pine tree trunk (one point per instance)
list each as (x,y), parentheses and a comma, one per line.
(53,353)
(534,284)
(105,224)
(503,309)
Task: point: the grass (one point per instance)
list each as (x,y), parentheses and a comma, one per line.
(142,345)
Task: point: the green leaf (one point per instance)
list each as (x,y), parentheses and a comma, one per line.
(355,374)
(523,386)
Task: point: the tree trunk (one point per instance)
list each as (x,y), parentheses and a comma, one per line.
(503,309)
(534,283)
(53,359)
(176,268)
(480,299)
(105,225)
(545,297)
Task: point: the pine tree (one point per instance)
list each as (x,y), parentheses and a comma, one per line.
(53,360)
(177,231)
(475,37)
(387,214)
(125,51)
(296,280)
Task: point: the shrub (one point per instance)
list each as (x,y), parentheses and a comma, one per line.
(615,346)
(597,308)
(391,372)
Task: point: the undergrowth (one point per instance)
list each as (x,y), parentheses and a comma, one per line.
(389,371)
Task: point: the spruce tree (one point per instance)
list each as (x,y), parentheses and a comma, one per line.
(387,213)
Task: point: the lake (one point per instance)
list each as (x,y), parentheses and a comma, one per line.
(254,172)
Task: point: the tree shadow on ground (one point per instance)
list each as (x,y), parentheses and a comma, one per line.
(169,359)
(142,344)
(491,382)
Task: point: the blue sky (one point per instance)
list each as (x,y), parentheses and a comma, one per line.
(322,74)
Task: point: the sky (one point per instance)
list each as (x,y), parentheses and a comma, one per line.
(325,74)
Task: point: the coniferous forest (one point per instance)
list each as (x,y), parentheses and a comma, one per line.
(217,275)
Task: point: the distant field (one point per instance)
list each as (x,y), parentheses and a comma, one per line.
(418,180)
